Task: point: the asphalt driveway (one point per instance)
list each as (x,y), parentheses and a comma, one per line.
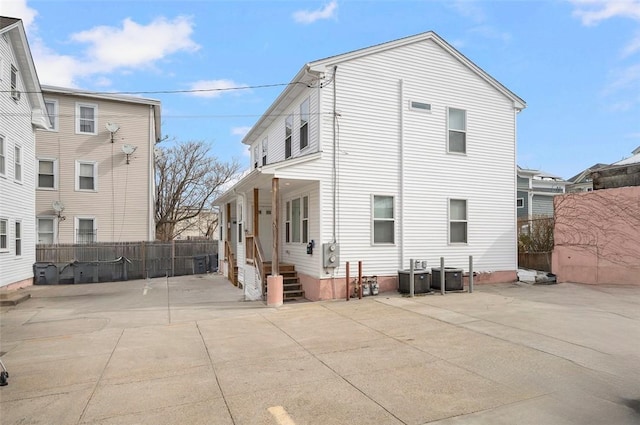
(188,350)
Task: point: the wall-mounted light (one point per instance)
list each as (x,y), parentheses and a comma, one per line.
(128,150)
(112,128)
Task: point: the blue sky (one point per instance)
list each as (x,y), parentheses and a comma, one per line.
(575,62)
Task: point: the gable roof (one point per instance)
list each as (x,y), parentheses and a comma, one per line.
(309,71)
(14,30)
(578,178)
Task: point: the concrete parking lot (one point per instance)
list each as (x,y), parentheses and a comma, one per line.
(188,350)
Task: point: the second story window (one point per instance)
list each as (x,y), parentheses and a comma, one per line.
(457,134)
(255,156)
(86,176)
(288,129)
(52,112)
(46,174)
(3,156)
(15,94)
(86,118)
(264,151)
(17,163)
(304,124)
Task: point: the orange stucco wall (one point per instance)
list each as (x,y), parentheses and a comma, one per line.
(597,237)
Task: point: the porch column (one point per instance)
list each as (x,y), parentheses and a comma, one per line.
(256,211)
(274,281)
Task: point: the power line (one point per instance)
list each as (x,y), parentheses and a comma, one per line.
(79,92)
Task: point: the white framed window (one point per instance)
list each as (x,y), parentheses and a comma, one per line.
(47,173)
(297,220)
(85,230)
(18,237)
(3,156)
(52,112)
(264,150)
(288,132)
(87,176)
(17,163)
(256,155)
(304,124)
(86,118)
(457,130)
(419,106)
(46,229)
(457,221)
(4,229)
(520,202)
(15,93)
(383,219)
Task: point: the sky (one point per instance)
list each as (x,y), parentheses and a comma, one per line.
(575,62)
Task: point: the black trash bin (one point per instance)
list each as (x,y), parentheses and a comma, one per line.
(213,263)
(421,281)
(199,264)
(85,272)
(45,274)
(452,279)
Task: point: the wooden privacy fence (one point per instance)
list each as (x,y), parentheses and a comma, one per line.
(141,259)
(535,261)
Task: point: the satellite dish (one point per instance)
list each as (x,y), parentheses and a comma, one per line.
(112,127)
(128,149)
(57,206)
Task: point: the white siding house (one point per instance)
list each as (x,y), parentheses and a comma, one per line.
(101,192)
(22,111)
(407,151)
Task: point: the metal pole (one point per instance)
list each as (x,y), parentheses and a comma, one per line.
(470,273)
(360,279)
(442,275)
(347,280)
(411,277)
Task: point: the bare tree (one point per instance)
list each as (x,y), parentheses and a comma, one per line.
(188,179)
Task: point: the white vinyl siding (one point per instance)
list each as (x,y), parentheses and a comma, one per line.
(383,220)
(458,221)
(46,230)
(87,176)
(86,118)
(47,172)
(256,156)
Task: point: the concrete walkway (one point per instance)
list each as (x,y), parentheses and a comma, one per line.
(188,350)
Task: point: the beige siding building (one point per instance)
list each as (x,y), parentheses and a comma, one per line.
(95,174)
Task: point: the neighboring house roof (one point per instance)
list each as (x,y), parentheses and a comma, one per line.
(113,97)
(310,72)
(14,30)
(538,174)
(634,158)
(583,175)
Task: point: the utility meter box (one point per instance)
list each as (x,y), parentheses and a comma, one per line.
(330,254)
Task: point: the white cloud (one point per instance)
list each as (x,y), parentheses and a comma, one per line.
(632,47)
(134,45)
(592,12)
(240,131)
(625,79)
(19,9)
(125,48)
(213,88)
(308,17)
(469,9)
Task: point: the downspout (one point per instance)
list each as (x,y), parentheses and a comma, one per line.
(152,176)
(401,173)
(335,149)
(515,162)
